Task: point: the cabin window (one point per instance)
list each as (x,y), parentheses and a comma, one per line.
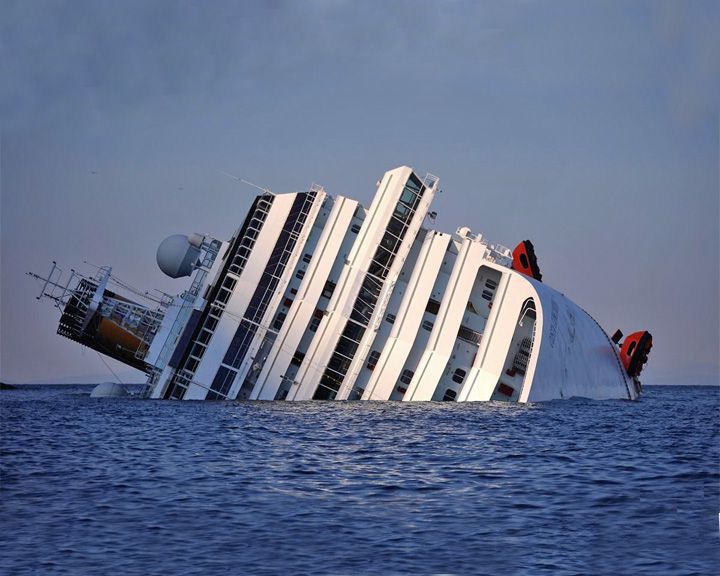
(487,295)
(355,228)
(382,259)
(505,390)
(390,242)
(229,283)
(459,376)
(279,320)
(490,283)
(378,270)
(198,350)
(469,335)
(401,210)
(306,258)
(407,376)
(427,325)
(293,291)
(297,358)
(222,383)
(373,360)
(450,395)
(300,274)
(408,197)
(328,289)
(390,318)
(354,332)
(433,307)
(315,322)
(396,228)
(223,296)
(288,302)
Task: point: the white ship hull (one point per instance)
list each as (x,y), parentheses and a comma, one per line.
(316,297)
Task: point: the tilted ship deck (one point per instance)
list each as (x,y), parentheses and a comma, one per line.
(317,297)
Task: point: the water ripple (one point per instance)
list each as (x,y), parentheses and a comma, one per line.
(145,487)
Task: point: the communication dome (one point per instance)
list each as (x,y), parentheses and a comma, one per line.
(176,256)
(464,231)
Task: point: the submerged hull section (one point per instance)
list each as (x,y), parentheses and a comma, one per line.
(316,297)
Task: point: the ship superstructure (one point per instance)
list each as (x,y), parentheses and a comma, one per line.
(317,297)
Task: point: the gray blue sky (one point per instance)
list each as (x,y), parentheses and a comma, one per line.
(589,127)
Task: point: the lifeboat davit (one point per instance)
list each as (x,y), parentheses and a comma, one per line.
(634,352)
(525,261)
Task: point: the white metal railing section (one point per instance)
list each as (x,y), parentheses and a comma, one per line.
(139,320)
(500,254)
(430,180)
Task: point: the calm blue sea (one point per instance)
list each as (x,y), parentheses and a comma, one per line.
(129,486)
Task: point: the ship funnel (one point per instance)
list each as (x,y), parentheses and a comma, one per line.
(178,254)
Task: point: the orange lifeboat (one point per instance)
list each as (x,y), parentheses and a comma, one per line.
(634,352)
(525,261)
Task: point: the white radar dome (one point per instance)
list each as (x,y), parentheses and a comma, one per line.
(464,232)
(176,256)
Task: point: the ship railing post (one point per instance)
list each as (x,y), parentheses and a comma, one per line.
(47,280)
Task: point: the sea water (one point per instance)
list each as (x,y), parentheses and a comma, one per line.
(130,486)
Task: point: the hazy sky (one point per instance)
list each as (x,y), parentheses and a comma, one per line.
(589,127)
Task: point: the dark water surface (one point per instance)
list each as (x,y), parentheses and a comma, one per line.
(128,486)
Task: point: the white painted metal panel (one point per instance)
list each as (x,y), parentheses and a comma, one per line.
(408,319)
(439,348)
(240,297)
(575,356)
(390,282)
(383,330)
(483,377)
(307,298)
(351,278)
(277,297)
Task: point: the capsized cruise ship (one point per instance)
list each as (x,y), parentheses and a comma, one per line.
(317,297)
